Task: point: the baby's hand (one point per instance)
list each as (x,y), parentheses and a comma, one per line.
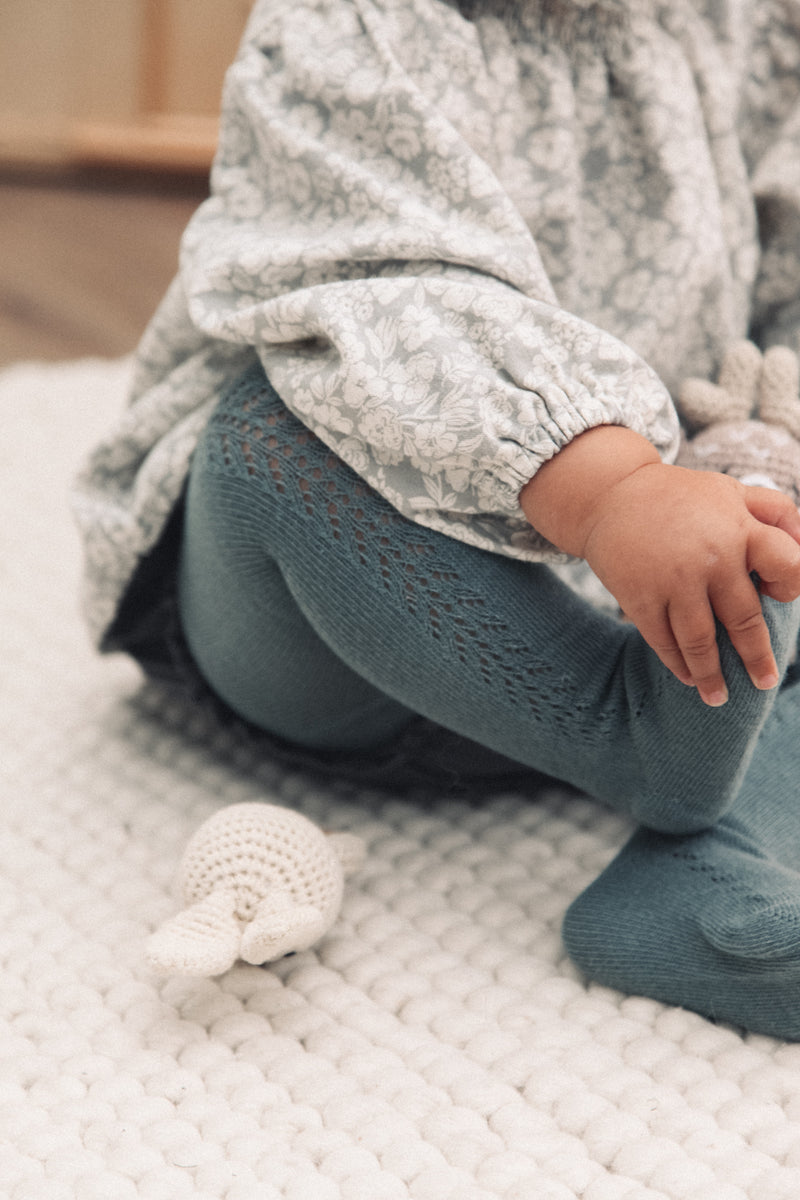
(677,548)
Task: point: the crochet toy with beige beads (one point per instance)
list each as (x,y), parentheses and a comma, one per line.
(746,425)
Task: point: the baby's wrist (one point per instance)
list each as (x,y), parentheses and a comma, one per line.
(563,499)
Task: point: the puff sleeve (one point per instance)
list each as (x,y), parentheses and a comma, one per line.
(392,290)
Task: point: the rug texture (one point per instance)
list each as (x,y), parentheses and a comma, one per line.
(436,1045)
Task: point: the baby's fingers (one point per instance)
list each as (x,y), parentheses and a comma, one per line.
(774,509)
(738,608)
(657,632)
(695,632)
(775,558)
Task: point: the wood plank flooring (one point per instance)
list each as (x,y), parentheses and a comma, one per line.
(85,260)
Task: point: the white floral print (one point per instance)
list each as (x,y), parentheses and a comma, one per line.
(454,246)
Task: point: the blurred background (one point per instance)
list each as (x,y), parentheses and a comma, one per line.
(108,124)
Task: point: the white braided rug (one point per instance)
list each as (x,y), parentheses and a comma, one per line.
(435,1046)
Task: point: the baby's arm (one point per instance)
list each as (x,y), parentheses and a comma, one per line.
(674,547)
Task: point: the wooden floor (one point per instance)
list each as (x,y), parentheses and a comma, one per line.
(85,260)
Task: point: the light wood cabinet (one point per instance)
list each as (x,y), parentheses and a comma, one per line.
(134,82)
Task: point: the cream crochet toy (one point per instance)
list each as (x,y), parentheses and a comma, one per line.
(259,882)
(748,424)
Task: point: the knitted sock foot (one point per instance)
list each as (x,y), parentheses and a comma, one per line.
(709,921)
(699,922)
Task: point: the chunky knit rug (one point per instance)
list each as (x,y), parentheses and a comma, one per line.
(436,1045)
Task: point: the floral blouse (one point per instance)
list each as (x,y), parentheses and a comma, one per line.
(454,244)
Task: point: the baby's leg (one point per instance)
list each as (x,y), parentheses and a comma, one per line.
(496,650)
(253,643)
(710,921)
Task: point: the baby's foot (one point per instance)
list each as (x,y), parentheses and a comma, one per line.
(709,922)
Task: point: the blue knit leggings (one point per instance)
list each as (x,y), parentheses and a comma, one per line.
(318,612)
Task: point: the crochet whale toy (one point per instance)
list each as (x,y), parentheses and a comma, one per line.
(259,881)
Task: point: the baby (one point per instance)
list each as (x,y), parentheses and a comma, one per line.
(426,341)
